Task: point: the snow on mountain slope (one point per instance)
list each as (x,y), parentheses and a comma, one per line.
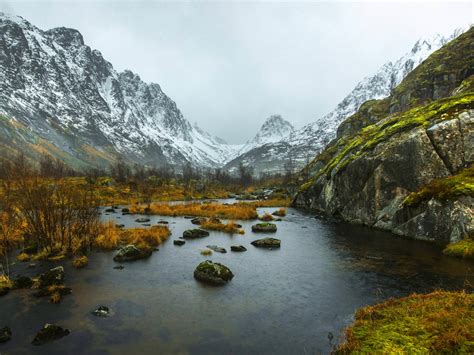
(304,143)
(273,130)
(72,98)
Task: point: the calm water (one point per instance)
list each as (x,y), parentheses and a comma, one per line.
(280,301)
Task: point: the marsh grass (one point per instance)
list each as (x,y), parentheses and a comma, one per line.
(80,262)
(229,227)
(236,211)
(111,237)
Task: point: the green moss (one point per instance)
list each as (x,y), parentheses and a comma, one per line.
(461,184)
(350,148)
(439,322)
(462,249)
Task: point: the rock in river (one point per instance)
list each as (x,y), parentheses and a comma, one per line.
(142,220)
(267,243)
(22,282)
(52,277)
(217,249)
(195,233)
(213,273)
(264,228)
(179,242)
(5,334)
(131,253)
(49,333)
(198,220)
(239,248)
(101,311)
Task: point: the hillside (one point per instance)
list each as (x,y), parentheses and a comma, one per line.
(58,95)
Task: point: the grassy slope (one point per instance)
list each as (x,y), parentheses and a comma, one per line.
(439,322)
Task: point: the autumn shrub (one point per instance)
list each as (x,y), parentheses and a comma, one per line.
(23,257)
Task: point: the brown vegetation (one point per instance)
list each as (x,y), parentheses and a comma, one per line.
(229,227)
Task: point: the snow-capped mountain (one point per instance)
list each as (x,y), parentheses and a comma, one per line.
(303,144)
(59,95)
(273,130)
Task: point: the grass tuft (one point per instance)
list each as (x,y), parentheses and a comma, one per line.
(462,249)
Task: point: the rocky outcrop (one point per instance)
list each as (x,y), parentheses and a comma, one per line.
(131,253)
(405,163)
(49,333)
(370,188)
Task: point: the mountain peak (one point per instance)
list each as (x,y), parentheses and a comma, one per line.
(275,125)
(66,37)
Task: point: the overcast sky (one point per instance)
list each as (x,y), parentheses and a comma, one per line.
(229,65)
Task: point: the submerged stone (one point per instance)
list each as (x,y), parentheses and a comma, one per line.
(217,249)
(142,220)
(22,282)
(5,334)
(179,242)
(49,333)
(213,273)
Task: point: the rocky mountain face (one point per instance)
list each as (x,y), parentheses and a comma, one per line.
(273,130)
(405,163)
(58,95)
(306,142)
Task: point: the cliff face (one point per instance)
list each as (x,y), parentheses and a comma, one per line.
(405,163)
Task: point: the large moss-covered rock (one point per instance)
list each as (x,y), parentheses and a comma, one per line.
(413,146)
(213,273)
(131,253)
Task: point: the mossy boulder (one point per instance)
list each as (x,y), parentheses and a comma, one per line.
(213,273)
(269,243)
(179,242)
(53,277)
(5,334)
(131,253)
(264,228)
(142,220)
(49,333)
(198,220)
(195,233)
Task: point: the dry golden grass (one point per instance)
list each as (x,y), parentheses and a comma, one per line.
(271,203)
(230,227)
(266,217)
(112,237)
(23,257)
(80,262)
(437,323)
(235,211)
